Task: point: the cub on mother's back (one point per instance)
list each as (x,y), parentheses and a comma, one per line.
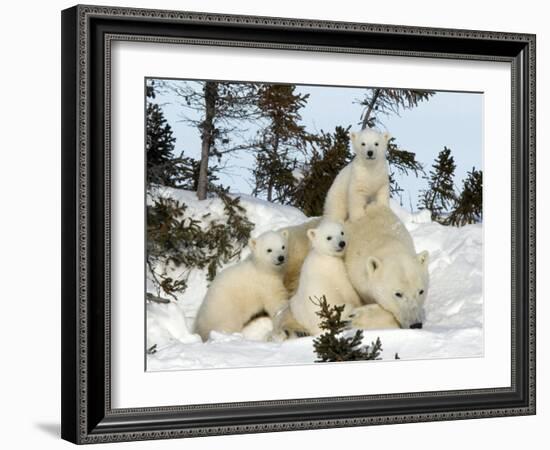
(364,180)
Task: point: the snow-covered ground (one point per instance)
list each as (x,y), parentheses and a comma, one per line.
(453,326)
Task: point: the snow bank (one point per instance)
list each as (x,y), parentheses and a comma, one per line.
(166,323)
(454,307)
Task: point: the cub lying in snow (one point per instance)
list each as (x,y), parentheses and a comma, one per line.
(362,181)
(323,274)
(242,291)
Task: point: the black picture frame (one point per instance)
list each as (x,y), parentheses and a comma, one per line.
(87,33)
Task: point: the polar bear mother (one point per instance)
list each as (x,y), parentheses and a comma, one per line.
(384,267)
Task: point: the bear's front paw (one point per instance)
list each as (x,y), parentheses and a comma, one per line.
(300,334)
(371,317)
(277,336)
(359,319)
(351,317)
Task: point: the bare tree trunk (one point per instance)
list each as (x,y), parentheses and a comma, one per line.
(274,151)
(207,136)
(269,190)
(366,117)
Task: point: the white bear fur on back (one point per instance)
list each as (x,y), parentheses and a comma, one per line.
(384,267)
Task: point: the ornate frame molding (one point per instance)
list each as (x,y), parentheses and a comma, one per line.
(84,421)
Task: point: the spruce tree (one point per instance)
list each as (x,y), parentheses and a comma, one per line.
(159,143)
(440,195)
(468,208)
(279,141)
(219,111)
(329,155)
(163,166)
(383,101)
(225,240)
(178,239)
(401,162)
(332,345)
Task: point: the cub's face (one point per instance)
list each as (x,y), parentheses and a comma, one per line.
(328,238)
(400,286)
(270,249)
(369,145)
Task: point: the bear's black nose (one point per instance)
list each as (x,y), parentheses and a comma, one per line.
(281,258)
(416,325)
(342,244)
(370,153)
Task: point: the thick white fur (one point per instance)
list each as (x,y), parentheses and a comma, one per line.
(363,181)
(384,267)
(323,274)
(298,248)
(247,288)
(372,317)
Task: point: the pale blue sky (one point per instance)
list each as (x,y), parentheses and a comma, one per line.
(452,119)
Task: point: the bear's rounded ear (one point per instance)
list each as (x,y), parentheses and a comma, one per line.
(311,234)
(352,135)
(387,137)
(252,243)
(373,264)
(423,257)
(284,234)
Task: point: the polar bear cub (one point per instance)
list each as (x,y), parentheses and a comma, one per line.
(364,180)
(242,291)
(323,273)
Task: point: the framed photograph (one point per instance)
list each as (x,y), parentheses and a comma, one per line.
(280,224)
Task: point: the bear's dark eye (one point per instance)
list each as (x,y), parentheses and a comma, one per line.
(268,250)
(376,144)
(398,294)
(283,247)
(421,291)
(363,144)
(329,238)
(342,233)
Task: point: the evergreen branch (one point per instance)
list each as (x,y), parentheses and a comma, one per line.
(332,346)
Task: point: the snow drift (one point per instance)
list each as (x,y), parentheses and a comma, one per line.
(453,326)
